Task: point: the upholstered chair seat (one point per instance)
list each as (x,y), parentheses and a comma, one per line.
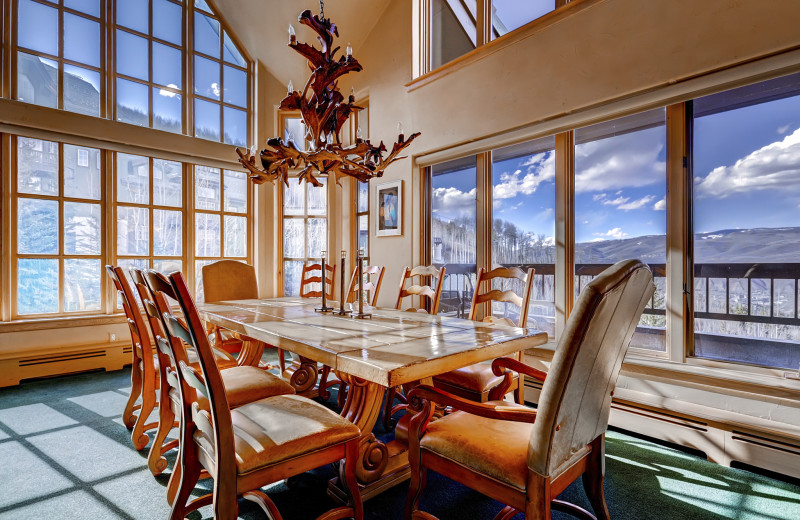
(477,378)
(271,431)
(490,447)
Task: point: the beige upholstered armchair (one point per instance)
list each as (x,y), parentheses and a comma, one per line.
(524,457)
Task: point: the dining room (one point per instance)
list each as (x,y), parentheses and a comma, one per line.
(418,259)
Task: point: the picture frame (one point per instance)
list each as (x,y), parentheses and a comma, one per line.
(389,215)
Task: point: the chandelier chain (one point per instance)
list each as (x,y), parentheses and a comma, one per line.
(322,8)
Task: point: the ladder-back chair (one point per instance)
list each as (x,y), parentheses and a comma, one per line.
(144,369)
(476,381)
(257,444)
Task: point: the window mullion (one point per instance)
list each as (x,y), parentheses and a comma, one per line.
(565,228)
(7,233)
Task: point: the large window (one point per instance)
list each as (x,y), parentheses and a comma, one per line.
(453,231)
(746,237)
(149,63)
(220,217)
(305,229)
(453,31)
(220,81)
(524,223)
(508,15)
(620,203)
(59,228)
(59,55)
(172,67)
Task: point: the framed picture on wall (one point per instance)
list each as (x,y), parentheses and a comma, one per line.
(389,198)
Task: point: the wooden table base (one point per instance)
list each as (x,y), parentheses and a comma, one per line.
(381,466)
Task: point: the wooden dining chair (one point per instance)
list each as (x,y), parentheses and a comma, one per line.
(371,287)
(476,381)
(257,444)
(144,368)
(243,383)
(226,280)
(523,457)
(312,274)
(429,296)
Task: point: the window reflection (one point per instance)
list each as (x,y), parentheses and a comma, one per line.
(453,231)
(523,222)
(620,203)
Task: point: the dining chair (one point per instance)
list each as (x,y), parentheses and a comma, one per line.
(243,383)
(144,368)
(226,280)
(371,287)
(312,274)
(526,457)
(476,381)
(257,444)
(304,373)
(429,296)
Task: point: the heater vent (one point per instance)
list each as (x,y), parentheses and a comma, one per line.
(60,358)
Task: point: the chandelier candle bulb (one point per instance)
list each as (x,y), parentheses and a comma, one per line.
(400,134)
(324,111)
(290,88)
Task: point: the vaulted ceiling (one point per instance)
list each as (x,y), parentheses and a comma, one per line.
(262,27)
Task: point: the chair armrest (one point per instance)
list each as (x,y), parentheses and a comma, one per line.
(500,363)
(490,411)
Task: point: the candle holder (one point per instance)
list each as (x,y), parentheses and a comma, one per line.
(361,315)
(342,295)
(324,277)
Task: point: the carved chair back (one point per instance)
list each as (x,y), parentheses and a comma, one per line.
(371,287)
(310,276)
(508,277)
(142,347)
(576,396)
(229,280)
(215,420)
(432,292)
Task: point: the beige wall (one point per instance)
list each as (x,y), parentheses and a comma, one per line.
(594,53)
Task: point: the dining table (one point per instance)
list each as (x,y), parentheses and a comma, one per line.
(392,348)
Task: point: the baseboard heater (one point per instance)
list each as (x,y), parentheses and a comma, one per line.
(721,442)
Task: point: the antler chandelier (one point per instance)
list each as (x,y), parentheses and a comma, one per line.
(324,112)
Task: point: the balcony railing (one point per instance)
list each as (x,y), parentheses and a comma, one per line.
(744,312)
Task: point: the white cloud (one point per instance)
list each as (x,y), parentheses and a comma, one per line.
(623,202)
(637,204)
(775,166)
(626,161)
(539,169)
(783,129)
(451,203)
(661,205)
(615,233)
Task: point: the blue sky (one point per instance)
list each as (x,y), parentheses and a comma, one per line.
(746,168)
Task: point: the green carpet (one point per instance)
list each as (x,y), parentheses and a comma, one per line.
(64,454)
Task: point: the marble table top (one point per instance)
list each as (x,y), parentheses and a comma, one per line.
(392,348)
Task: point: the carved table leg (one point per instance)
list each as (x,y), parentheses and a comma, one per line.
(380,466)
(251,352)
(302,375)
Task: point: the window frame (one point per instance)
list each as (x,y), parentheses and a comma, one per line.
(12,253)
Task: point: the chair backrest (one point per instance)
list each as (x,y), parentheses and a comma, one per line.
(215,421)
(507,276)
(432,292)
(371,287)
(313,274)
(157,306)
(153,319)
(229,280)
(142,347)
(576,396)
